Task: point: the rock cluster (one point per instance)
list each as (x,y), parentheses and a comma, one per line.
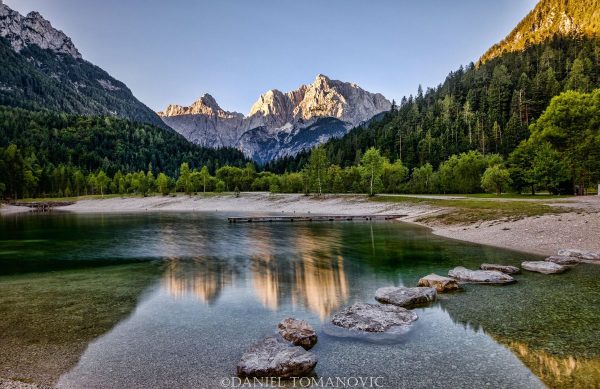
(405,297)
(275,357)
(580,254)
(440,283)
(23,31)
(480,276)
(543,267)
(373,317)
(562,260)
(501,268)
(298,332)
(283,355)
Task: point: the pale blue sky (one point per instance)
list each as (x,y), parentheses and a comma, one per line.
(174,51)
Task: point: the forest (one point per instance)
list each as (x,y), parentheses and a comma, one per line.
(45,153)
(561,156)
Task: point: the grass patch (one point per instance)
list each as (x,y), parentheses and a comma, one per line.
(472,210)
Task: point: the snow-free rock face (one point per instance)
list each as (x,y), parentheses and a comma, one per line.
(279,124)
(42,68)
(33,29)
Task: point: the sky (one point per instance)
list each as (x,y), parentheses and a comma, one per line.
(172,52)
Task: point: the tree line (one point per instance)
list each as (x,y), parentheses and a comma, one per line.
(562,155)
(45,153)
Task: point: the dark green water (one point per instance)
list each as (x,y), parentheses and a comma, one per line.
(173,300)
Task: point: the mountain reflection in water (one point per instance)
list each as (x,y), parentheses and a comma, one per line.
(312,279)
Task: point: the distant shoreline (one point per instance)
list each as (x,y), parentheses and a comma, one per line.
(575,227)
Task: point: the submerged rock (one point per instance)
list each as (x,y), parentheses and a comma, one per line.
(298,332)
(275,357)
(440,283)
(543,267)
(506,269)
(581,254)
(405,297)
(480,276)
(373,317)
(563,260)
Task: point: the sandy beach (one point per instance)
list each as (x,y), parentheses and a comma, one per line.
(543,235)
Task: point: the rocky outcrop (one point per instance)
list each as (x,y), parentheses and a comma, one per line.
(298,332)
(543,267)
(506,269)
(405,297)
(45,70)
(480,276)
(275,357)
(373,317)
(33,29)
(279,124)
(440,283)
(563,260)
(581,254)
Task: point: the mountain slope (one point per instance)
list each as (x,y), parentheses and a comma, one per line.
(569,18)
(54,147)
(279,124)
(40,68)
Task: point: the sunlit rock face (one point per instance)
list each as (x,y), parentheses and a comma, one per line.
(23,31)
(279,124)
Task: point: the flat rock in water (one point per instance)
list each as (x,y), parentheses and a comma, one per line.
(480,276)
(275,357)
(440,283)
(543,267)
(506,269)
(405,297)
(581,254)
(373,317)
(298,332)
(563,260)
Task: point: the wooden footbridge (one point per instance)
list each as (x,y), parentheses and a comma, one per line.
(311,218)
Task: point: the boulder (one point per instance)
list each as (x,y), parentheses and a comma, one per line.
(563,260)
(581,254)
(506,269)
(275,357)
(480,276)
(405,297)
(440,283)
(298,332)
(543,267)
(373,317)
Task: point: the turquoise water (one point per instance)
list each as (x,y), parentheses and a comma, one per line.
(174,299)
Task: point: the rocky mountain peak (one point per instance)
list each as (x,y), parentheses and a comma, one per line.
(205,105)
(279,123)
(550,18)
(23,31)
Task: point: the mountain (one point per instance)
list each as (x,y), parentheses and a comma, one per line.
(488,107)
(279,124)
(40,68)
(569,18)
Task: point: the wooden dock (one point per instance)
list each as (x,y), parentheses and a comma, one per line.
(311,218)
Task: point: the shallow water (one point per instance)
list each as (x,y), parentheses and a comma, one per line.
(173,300)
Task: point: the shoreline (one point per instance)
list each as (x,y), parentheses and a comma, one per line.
(540,235)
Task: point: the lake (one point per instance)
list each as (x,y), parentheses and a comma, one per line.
(163,300)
